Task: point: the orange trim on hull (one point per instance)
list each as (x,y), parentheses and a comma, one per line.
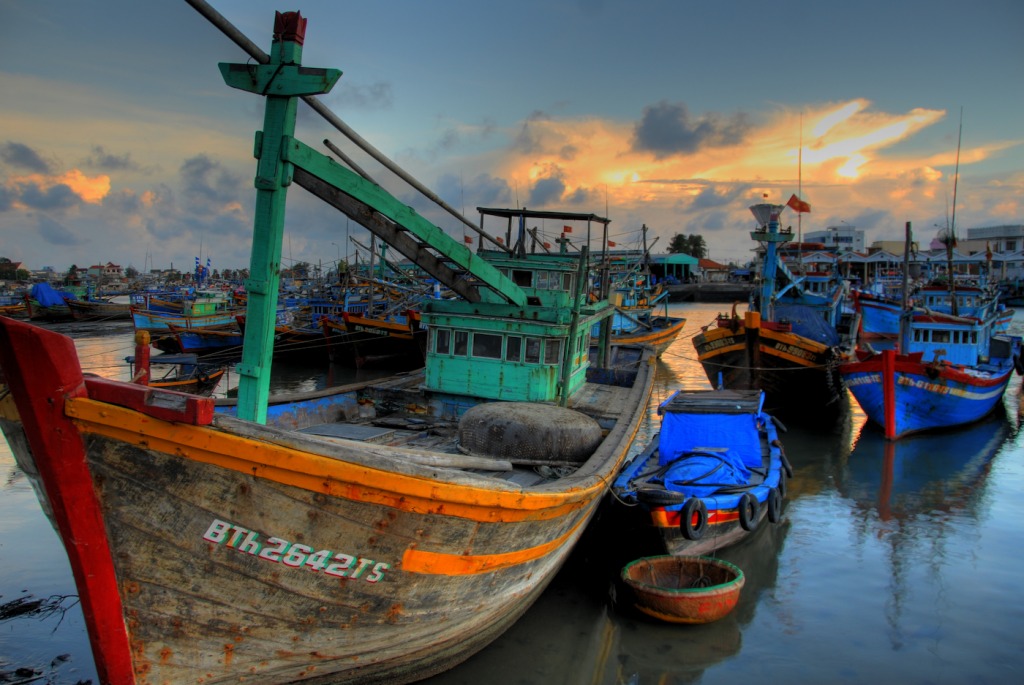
(418,561)
(766,336)
(321,474)
(721,350)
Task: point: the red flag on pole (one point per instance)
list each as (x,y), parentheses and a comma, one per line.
(798,205)
(566,229)
(611,244)
(501,241)
(468,239)
(547,246)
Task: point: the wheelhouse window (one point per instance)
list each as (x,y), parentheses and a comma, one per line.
(533,350)
(549,280)
(522,278)
(487,345)
(461,343)
(442,340)
(552,351)
(514,348)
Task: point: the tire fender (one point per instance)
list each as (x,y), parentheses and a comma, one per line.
(693,519)
(749,509)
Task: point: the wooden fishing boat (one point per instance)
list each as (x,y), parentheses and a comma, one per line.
(178,372)
(301,339)
(684,589)
(19,309)
(395,342)
(147,320)
(341,343)
(711,476)
(87,310)
(788,343)
(43,303)
(950,371)
(300,342)
(880,315)
(223,339)
(380,532)
(657,331)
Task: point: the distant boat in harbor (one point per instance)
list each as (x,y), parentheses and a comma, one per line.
(84,310)
(787,344)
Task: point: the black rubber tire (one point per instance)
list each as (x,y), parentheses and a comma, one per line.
(693,519)
(660,498)
(774,505)
(748,512)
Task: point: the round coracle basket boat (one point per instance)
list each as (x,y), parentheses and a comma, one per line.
(684,589)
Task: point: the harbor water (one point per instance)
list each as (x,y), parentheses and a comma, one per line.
(893,563)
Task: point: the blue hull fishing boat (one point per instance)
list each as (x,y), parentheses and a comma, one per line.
(880,314)
(945,370)
(712,475)
(907,393)
(220,339)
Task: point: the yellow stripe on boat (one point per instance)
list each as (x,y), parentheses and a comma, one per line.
(437,563)
(316,473)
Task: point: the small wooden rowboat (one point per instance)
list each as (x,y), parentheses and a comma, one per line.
(684,589)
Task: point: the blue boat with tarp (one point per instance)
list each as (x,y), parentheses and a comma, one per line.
(712,474)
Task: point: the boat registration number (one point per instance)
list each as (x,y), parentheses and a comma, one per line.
(296,555)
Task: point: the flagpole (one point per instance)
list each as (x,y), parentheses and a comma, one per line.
(800,192)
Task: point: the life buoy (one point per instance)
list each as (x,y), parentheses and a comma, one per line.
(693,519)
(775,504)
(748,512)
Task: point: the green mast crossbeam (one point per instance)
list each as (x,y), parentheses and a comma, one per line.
(281,80)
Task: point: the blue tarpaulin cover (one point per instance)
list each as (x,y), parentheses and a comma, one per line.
(45,295)
(690,423)
(703,474)
(808,323)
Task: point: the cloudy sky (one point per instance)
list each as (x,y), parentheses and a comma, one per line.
(119,141)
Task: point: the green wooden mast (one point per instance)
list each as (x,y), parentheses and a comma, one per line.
(282,80)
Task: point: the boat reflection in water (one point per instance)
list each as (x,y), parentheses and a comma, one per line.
(922,476)
(920,500)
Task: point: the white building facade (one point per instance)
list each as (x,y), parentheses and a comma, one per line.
(837,239)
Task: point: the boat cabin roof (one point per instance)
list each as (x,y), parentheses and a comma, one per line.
(713,402)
